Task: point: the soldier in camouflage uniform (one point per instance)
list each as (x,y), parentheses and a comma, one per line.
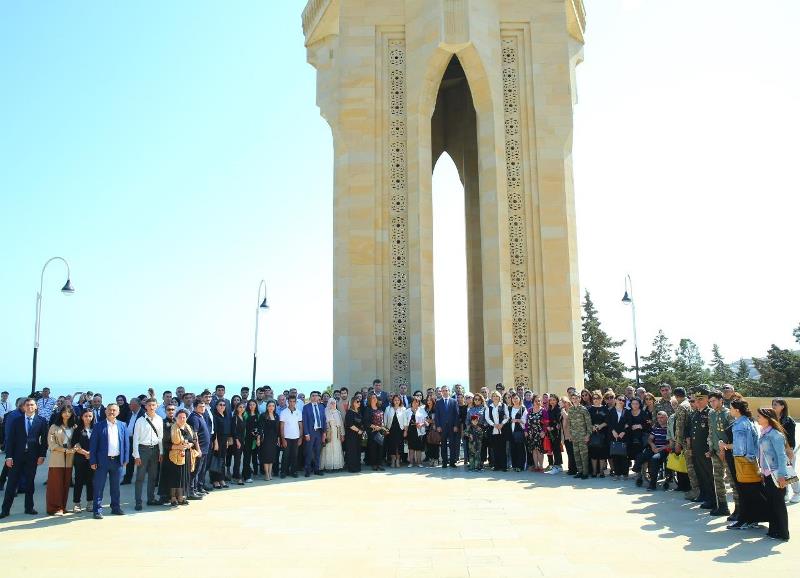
(718,420)
(474,435)
(663,403)
(682,432)
(701,456)
(580,427)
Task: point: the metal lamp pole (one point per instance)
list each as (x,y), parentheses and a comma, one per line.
(261,306)
(67,289)
(627,299)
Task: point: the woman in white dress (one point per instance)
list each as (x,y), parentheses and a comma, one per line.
(332,456)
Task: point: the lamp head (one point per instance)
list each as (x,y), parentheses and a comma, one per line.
(68,289)
(263,306)
(626,299)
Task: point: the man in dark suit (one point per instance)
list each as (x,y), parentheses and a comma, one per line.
(446,419)
(314,427)
(26,447)
(198,424)
(383,397)
(405,399)
(98,409)
(109,453)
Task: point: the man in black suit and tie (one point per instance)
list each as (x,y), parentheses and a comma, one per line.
(446,419)
(404,397)
(26,447)
(98,409)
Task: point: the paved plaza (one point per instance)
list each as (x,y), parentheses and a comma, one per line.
(420,523)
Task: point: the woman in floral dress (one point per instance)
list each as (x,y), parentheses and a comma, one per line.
(534,434)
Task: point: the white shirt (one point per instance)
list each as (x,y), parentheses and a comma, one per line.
(291,420)
(403,417)
(144,435)
(492,417)
(315,412)
(113,440)
(4,408)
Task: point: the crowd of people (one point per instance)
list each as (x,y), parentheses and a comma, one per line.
(185,445)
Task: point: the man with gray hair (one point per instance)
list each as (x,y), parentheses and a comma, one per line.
(148,435)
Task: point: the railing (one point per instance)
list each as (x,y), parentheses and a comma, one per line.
(313,11)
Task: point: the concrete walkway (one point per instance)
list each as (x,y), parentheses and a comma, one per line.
(416,523)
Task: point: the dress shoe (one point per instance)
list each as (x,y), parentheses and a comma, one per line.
(118,512)
(153,503)
(319,473)
(208,488)
(294,475)
(308,474)
(3,515)
(98,516)
(708,506)
(283,476)
(719,512)
(31,512)
(138,507)
(194,497)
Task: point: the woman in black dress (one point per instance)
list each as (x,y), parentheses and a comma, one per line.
(250,451)
(220,442)
(395,421)
(416,443)
(373,420)
(431,447)
(237,449)
(640,425)
(353,432)
(619,422)
(598,439)
(268,439)
(554,433)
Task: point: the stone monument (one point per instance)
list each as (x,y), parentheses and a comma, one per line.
(492,83)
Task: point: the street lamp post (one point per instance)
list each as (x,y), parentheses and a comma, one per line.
(627,299)
(261,305)
(67,289)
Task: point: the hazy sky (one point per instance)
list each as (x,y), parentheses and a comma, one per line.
(173,152)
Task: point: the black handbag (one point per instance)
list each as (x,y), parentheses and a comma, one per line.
(618,448)
(378,437)
(217,466)
(596,440)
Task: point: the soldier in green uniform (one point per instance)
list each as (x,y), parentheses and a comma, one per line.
(682,432)
(580,427)
(701,455)
(663,403)
(718,420)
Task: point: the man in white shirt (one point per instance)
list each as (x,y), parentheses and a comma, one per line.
(291,437)
(46,404)
(148,433)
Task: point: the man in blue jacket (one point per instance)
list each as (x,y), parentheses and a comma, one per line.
(446,418)
(26,447)
(198,424)
(109,453)
(314,428)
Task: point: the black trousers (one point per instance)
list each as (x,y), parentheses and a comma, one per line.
(499,452)
(198,475)
(289,462)
(84,476)
(776,509)
(705,475)
(236,455)
(250,461)
(374,451)
(571,467)
(620,465)
(26,469)
(518,454)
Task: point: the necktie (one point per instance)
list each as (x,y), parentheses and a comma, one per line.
(316,417)
(28,424)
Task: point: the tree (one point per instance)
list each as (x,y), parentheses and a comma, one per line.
(602,367)
(744,383)
(689,366)
(780,372)
(796,333)
(658,367)
(721,372)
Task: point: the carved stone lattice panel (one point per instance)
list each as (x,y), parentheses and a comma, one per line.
(517,221)
(397,170)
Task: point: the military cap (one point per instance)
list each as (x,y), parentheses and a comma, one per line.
(680,392)
(701,390)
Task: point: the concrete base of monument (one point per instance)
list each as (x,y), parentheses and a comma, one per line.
(404,522)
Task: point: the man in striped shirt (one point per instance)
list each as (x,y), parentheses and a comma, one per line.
(658,449)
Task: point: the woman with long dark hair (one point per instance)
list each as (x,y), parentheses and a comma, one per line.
(497,416)
(59,467)
(269,434)
(431,446)
(534,435)
(353,432)
(84,476)
(788,425)
(773,461)
(219,446)
(553,431)
(237,449)
(373,419)
(598,439)
(250,450)
(518,417)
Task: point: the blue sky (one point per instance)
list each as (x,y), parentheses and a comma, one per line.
(173,152)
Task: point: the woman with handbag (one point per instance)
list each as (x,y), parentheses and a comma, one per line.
(182,455)
(619,425)
(395,422)
(598,439)
(417,417)
(373,418)
(353,433)
(433,438)
(740,450)
(774,463)
(497,416)
(518,417)
(788,425)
